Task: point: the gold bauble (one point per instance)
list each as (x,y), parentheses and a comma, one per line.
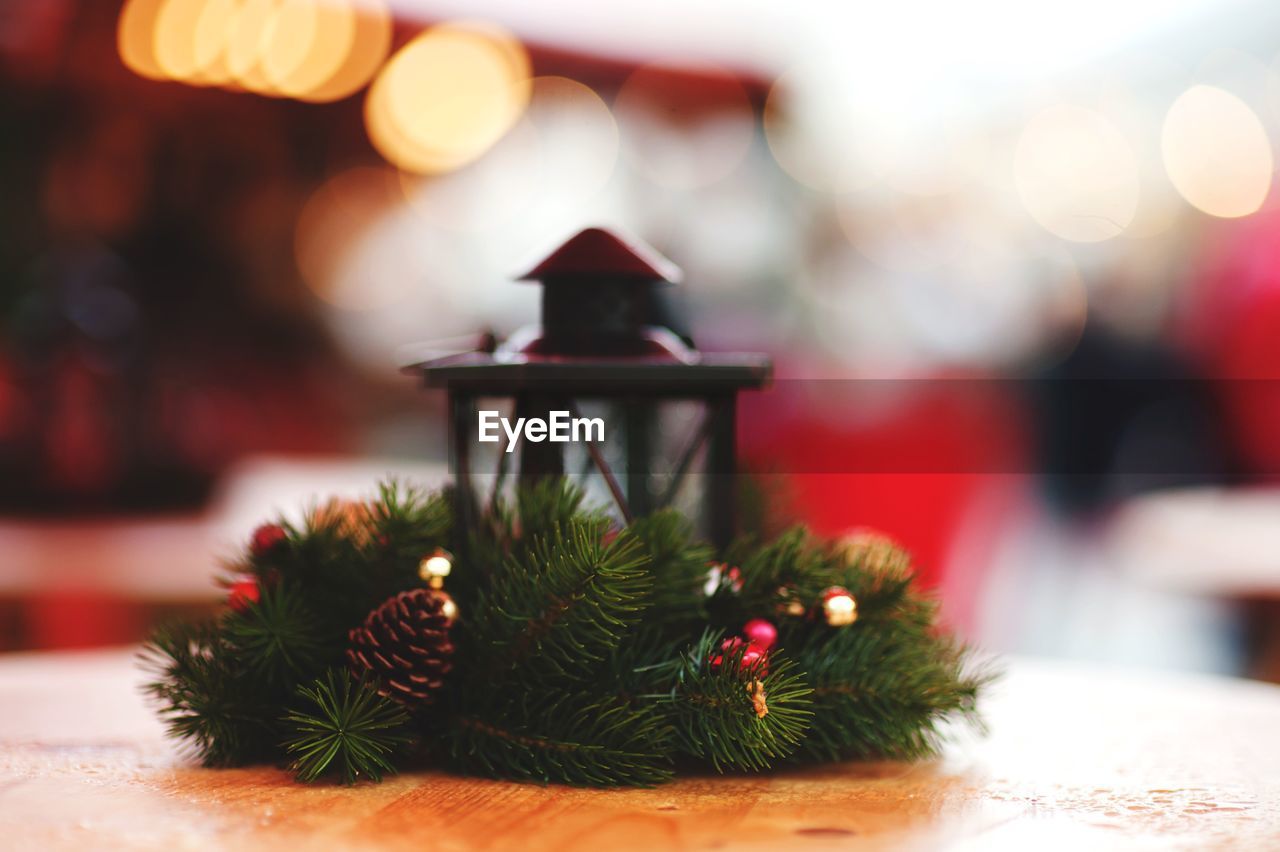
(435,566)
(839,607)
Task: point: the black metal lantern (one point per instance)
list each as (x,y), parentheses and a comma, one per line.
(601,342)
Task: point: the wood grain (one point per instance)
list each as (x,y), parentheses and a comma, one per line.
(1076,758)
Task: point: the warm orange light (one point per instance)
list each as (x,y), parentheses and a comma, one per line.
(212,28)
(135,37)
(175,38)
(370,44)
(313,50)
(306,43)
(245,40)
(447,97)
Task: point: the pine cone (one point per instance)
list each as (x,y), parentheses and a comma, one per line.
(405,644)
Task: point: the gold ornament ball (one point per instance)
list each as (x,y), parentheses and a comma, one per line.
(839,607)
(448,608)
(435,567)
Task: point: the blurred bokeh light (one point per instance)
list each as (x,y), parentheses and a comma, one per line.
(312,50)
(225,219)
(1077,174)
(447,97)
(1217,152)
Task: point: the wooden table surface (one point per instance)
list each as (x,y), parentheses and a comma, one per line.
(1077,758)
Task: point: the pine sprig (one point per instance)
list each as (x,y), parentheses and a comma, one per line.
(884,690)
(678,565)
(204,696)
(278,637)
(560,606)
(549,504)
(564,738)
(715,718)
(343,726)
(408,522)
(792,564)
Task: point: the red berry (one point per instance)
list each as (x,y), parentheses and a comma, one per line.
(760,633)
(752,658)
(266,538)
(755,660)
(243,594)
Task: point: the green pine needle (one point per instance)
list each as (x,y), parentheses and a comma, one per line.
(278,637)
(884,691)
(571,737)
(715,718)
(678,564)
(205,697)
(549,504)
(562,605)
(344,726)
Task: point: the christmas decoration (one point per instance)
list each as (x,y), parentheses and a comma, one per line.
(434,569)
(742,655)
(595,646)
(577,660)
(405,645)
(345,725)
(266,538)
(838,607)
(243,593)
(789,604)
(759,704)
(760,633)
(721,574)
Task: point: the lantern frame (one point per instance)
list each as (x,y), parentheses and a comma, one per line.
(611,350)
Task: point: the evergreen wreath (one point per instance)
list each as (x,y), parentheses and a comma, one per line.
(565,651)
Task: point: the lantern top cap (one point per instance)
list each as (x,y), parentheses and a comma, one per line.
(600,252)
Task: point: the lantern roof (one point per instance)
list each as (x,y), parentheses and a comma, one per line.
(600,252)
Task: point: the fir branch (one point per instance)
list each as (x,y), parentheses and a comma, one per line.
(204,697)
(714,715)
(278,638)
(561,605)
(343,574)
(885,689)
(409,523)
(563,738)
(792,564)
(678,564)
(549,504)
(344,726)
(879,577)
